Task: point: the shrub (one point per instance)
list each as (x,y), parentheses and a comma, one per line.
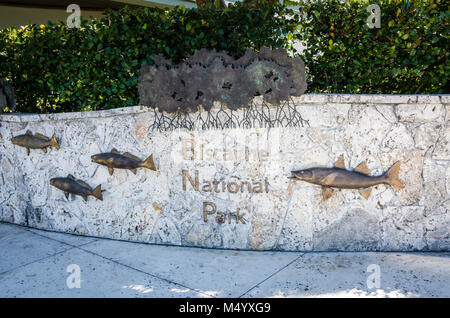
(57,69)
(409,54)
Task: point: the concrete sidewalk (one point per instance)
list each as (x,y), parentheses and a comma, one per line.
(35,263)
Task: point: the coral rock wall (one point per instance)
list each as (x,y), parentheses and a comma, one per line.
(228,188)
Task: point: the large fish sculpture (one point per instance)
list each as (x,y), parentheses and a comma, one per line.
(76,187)
(37,141)
(339,177)
(115,160)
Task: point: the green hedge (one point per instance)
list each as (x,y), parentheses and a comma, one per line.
(409,54)
(55,69)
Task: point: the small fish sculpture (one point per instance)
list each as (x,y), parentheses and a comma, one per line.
(115,160)
(339,177)
(37,141)
(76,187)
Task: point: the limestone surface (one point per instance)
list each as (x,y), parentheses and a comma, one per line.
(228,187)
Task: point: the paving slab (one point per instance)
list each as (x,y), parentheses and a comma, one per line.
(34,264)
(19,247)
(218,273)
(99,278)
(71,239)
(348,274)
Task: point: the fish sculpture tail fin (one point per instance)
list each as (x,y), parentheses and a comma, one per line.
(54,142)
(97,192)
(392,176)
(148,163)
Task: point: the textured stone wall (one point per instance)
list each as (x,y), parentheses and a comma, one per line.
(236,179)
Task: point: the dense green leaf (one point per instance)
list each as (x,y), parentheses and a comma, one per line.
(57,69)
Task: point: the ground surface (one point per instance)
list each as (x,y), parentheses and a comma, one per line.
(35,263)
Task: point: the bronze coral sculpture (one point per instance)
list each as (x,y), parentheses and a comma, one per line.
(208,76)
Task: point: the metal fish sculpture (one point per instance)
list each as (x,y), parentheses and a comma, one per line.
(339,177)
(37,141)
(76,187)
(115,160)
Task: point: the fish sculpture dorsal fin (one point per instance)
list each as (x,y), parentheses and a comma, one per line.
(84,183)
(340,163)
(362,168)
(129,155)
(38,135)
(29,133)
(365,193)
(114,150)
(70,177)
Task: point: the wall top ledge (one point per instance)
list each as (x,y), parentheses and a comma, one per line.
(306,99)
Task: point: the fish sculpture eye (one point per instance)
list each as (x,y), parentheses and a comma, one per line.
(307,174)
